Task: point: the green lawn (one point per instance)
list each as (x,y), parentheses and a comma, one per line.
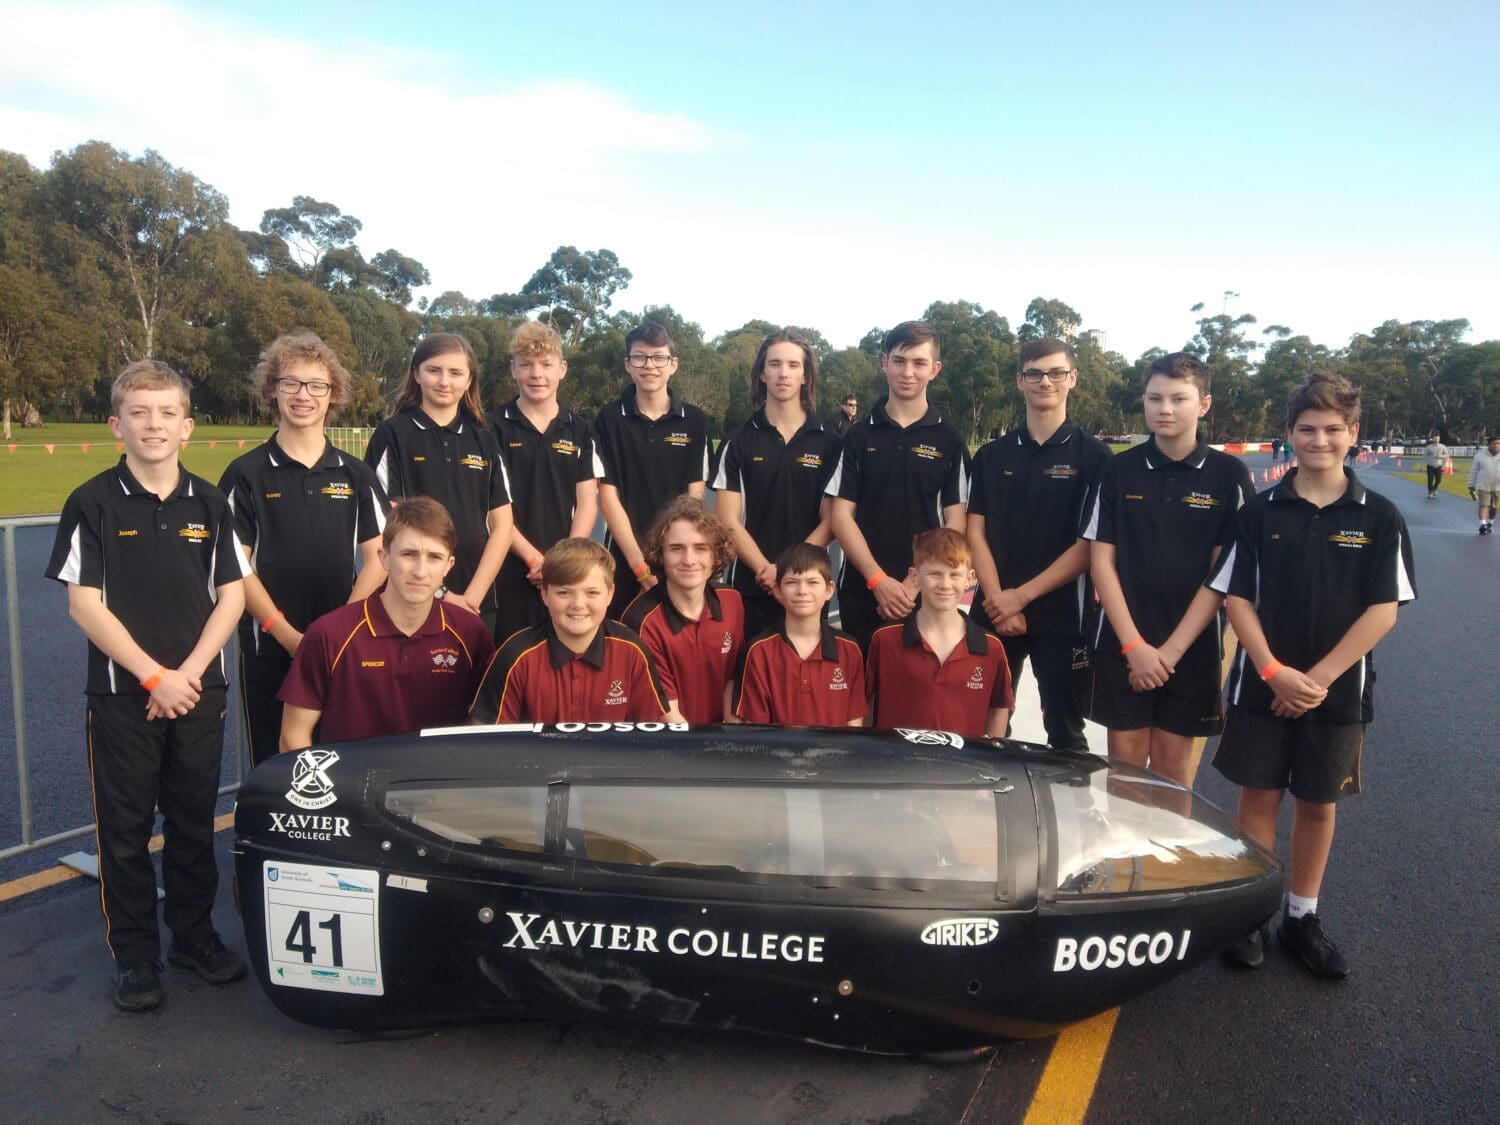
(1456,483)
(36,482)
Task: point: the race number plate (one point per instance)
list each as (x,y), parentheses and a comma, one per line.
(323,928)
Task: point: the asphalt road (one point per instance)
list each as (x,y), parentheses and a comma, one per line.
(1411,1035)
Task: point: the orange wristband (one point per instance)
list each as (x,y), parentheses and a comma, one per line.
(875,580)
(153,681)
(265,626)
(534,562)
(1269,671)
(1137,643)
(641,571)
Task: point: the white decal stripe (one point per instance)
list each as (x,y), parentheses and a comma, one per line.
(1091,529)
(72,568)
(1220,581)
(835,480)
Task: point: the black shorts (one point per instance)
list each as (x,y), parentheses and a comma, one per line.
(1190,703)
(1318,762)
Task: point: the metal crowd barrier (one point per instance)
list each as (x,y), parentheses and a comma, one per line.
(82,861)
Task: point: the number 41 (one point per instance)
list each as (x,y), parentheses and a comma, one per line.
(299,937)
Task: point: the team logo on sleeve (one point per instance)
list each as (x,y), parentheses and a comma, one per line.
(312,788)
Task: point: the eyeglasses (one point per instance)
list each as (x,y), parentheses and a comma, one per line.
(640,361)
(317,388)
(1055,375)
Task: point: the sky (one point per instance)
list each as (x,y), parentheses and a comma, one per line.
(1325,166)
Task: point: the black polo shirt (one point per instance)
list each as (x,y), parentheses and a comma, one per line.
(911,687)
(780,483)
(536,678)
(303,527)
(543,471)
(458,465)
(900,479)
(157,562)
(1164,519)
(650,462)
(1311,572)
(1032,498)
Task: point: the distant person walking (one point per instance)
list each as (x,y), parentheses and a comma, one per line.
(1275,450)
(1484,483)
(1437,458)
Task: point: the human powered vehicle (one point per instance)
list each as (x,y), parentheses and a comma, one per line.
(904,892)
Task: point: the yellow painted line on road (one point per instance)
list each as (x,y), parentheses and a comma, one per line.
(50,878)
(1072,1071)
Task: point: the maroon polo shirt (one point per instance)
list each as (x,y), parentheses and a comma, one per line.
(911,689)
(535,678)
(776,685)
(370,679)
(693,658)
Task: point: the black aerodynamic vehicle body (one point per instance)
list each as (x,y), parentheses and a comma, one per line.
(907,892)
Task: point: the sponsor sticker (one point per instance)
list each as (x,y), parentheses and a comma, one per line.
(932,737)
(960,931)
(537,933)
(1118,951)
(323,927)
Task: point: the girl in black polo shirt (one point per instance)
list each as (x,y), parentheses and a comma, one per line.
(436,443)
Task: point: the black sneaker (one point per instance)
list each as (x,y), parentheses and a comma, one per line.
(210,959)
(138,986)
(1304,937)
(1247,953)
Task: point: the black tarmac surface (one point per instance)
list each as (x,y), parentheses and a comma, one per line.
(1410,1036)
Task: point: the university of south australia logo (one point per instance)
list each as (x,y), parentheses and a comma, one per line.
(312,788)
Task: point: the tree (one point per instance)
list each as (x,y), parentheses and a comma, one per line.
(39,344)
(1399,362)
(979,358)
(1229,353)
(149,224)
(383,336)
(1091,405)
(398,275)
(310,228)
(1050,317)
(573,290)
(1287,364)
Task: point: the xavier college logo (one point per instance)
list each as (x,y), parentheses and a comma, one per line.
(312,788)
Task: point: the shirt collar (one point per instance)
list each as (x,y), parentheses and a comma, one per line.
(381,625)
(132,487)
(974,638)
(1155,458)
(512,412)
(424,421)
(279,456)
(675,620)
(761,422)
(1062,436)
(628,405)
(1354,490)
(879,417)
(559,654)
(828,644)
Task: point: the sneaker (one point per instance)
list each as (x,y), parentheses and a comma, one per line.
(1247,953)
(211,960)
(1304,937)
(138,986)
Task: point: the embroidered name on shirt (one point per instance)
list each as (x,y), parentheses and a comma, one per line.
(372,663)
(273,496)
(1134,496)
(126,532)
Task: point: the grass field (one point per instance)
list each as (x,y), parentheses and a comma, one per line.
(1456,483)
(35,482)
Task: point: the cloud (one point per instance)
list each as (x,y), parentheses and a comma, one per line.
(455,172)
